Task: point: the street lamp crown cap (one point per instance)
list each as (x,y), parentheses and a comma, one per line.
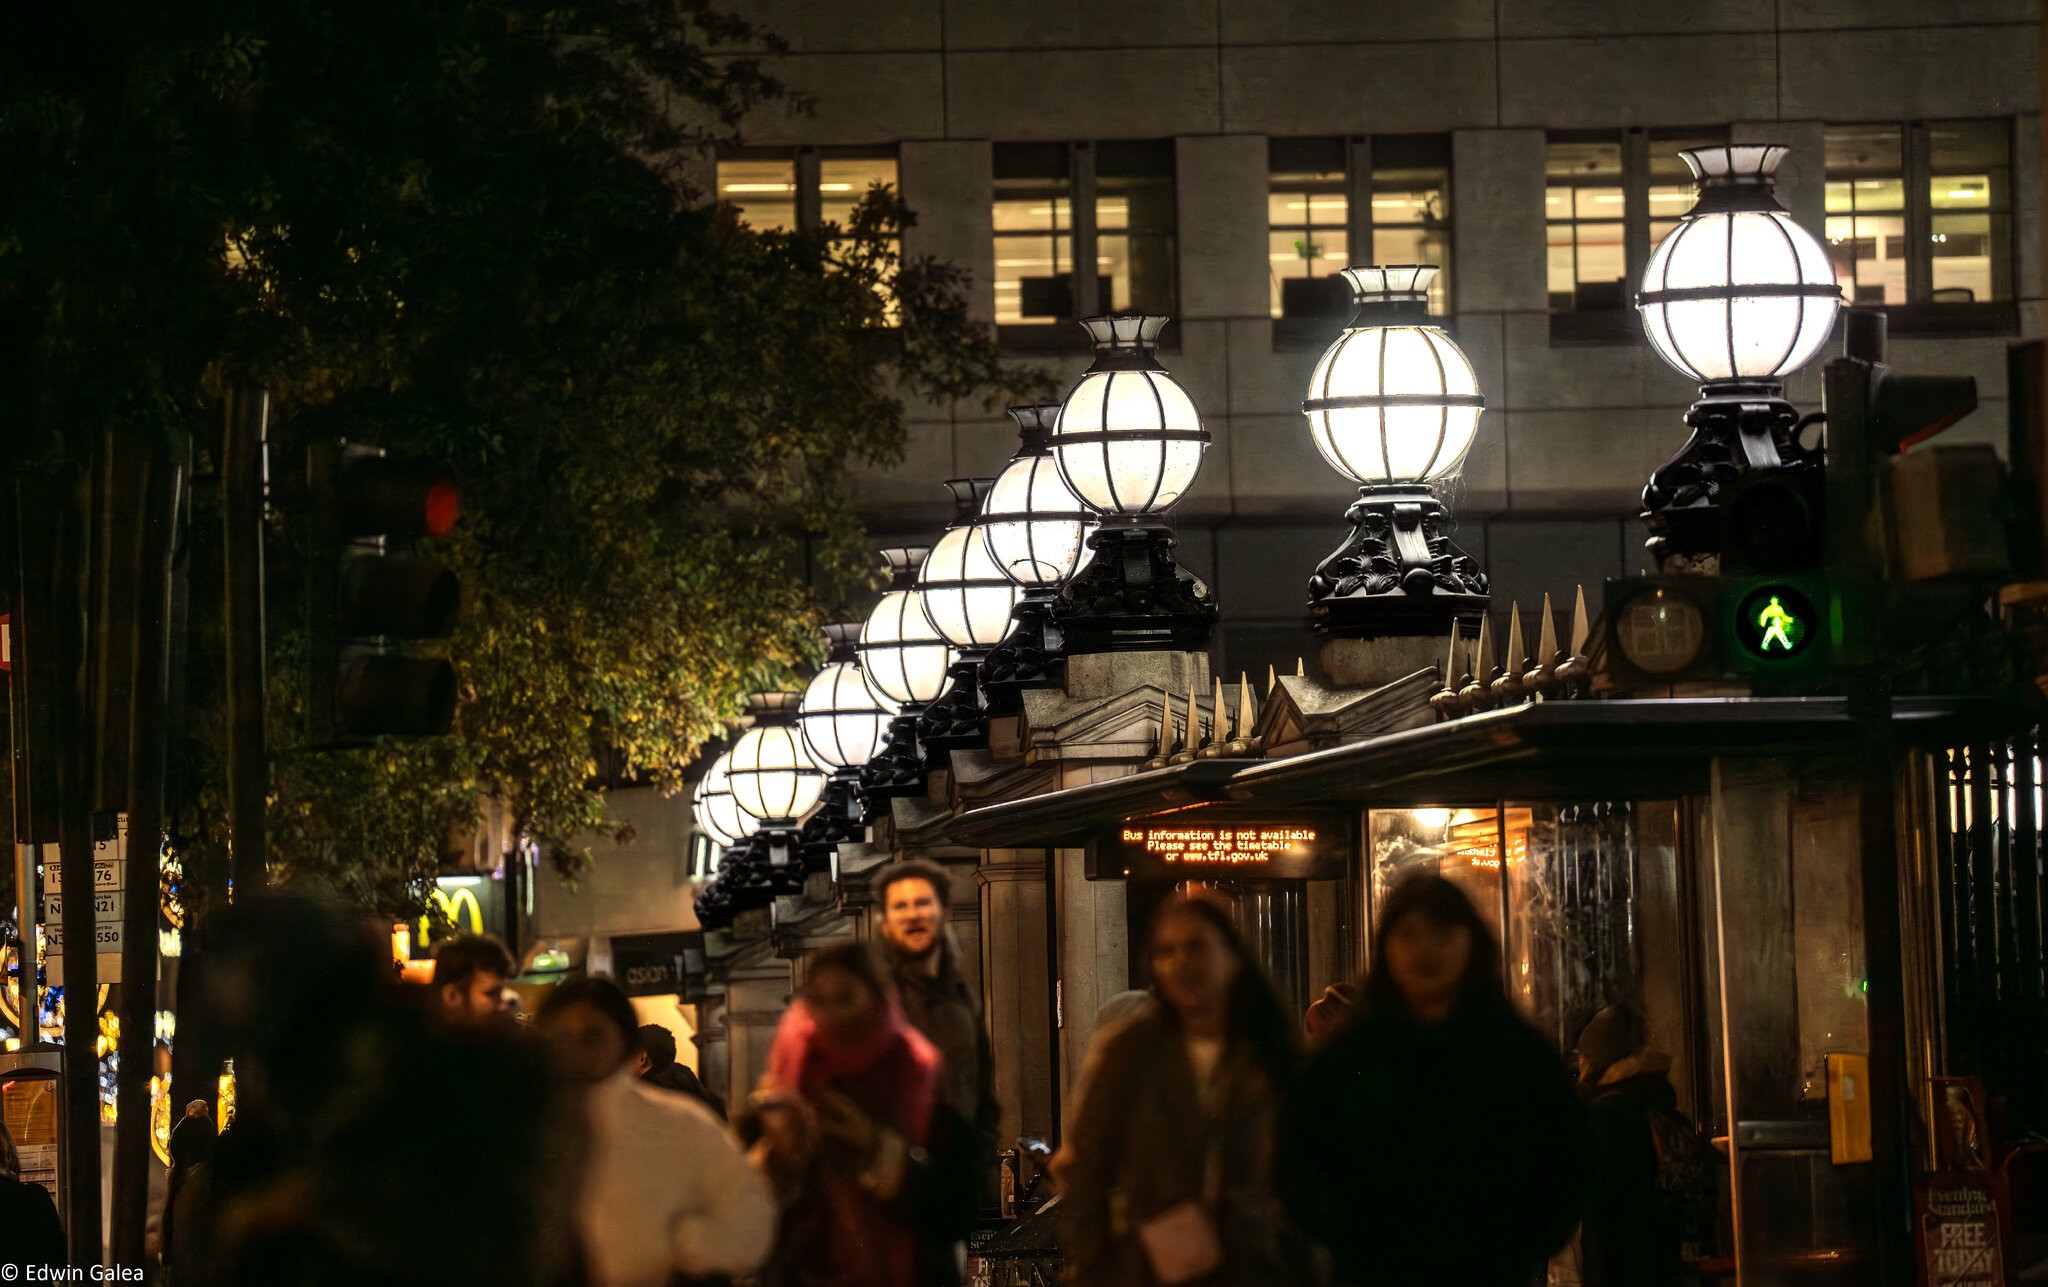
(1035,422)
(1390,294)
(1735,176)
(841,637)
(903,561)
(967,496)
(1125,341)
(770,709)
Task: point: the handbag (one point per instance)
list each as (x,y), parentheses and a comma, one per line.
(1180,1243)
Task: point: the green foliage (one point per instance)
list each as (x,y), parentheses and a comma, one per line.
(464,229)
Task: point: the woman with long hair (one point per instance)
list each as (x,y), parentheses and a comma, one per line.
(1436,1137)
(843,1116)
(1167,1174)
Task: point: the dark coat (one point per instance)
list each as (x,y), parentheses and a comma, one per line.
(1139,1145)
(30,1232)
(1633,1228)
(950,1190)
(679,1078)
(1452,1154)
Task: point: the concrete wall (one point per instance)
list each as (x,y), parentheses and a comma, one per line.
(641,886)
(1571,432)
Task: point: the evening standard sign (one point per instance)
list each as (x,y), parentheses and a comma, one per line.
(1198,845)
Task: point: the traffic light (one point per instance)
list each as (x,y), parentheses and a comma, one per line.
(369,606)
(1775,631)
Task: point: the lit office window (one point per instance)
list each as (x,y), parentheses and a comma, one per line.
(1333,203)
(801,189)
(1921,214)
(763,191)
(1609,198)
(1059,205)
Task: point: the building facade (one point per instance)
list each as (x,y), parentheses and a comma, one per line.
(1215,156)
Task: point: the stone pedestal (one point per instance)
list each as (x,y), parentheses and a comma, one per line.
(714,1065)
(1017,988)
(1094,954)
(756,994)
(1375,663)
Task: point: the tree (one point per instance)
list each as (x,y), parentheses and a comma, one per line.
(464,229)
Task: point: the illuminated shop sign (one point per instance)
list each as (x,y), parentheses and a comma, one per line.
(1199,844)
(469,904)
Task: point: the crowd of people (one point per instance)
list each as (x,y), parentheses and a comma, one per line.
(1417,1130)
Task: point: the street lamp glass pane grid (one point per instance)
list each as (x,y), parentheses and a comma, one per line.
(901,657)
(1399,444)
(843,723)
(1039,551)
(773,775)
(965,595)
(1034,245)
(1306,217)
(1140,474)
(764,191)
(716,813)
(1738,336)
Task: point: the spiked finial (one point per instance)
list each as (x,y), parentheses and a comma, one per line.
(1580,630)
(1195,738)
(1447,700)
(1247,714)
(1300,668)
(1219,725)
(1543,667)
(1272,681)
(1509,686)
(1165,725)
(1478,692)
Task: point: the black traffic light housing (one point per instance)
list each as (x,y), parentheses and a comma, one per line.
(1779,632)
(366,607)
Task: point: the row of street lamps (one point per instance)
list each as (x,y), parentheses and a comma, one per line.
(1070,551)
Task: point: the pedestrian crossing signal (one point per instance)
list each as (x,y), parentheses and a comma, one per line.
(1775,622)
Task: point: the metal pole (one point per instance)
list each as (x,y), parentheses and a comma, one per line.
(81,1098)
(27,852)
(146,738)
(242,484)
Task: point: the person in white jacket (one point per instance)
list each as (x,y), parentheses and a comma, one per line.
(665,1189)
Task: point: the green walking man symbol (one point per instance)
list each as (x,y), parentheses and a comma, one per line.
(1774,621)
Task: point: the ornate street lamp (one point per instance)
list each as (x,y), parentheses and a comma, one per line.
(1037,533)
(775,782)
(845,724)
(1393,405)
(968,600)
(903,658)
(1738,297)
(716,813)
(1129,443)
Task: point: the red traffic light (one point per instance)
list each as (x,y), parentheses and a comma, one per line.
(444,504)
(394,498)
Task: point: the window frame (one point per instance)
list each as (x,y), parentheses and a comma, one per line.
(1921,314)
(809,164)
(1083,165)
(1359,182)
(1622,325)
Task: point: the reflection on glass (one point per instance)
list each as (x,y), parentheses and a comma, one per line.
(1869,255)
(764,192)
(1139,263)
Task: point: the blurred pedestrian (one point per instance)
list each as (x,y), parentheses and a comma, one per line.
(940,1004)
(470,974)
(664,1190)
(655,1061)
(190,1146)
(1167,1174)
(844,1115)
(1649,1164)
(30,1232)
(1435,1138)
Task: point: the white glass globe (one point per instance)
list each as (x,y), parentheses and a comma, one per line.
(902,655)
(1128,440)
(716,813)
(1035,527)
(843,722)
(964,594)
(1738,291)
(773,777)
(1394,400)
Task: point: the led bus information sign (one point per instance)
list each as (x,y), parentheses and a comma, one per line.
(1196,845)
